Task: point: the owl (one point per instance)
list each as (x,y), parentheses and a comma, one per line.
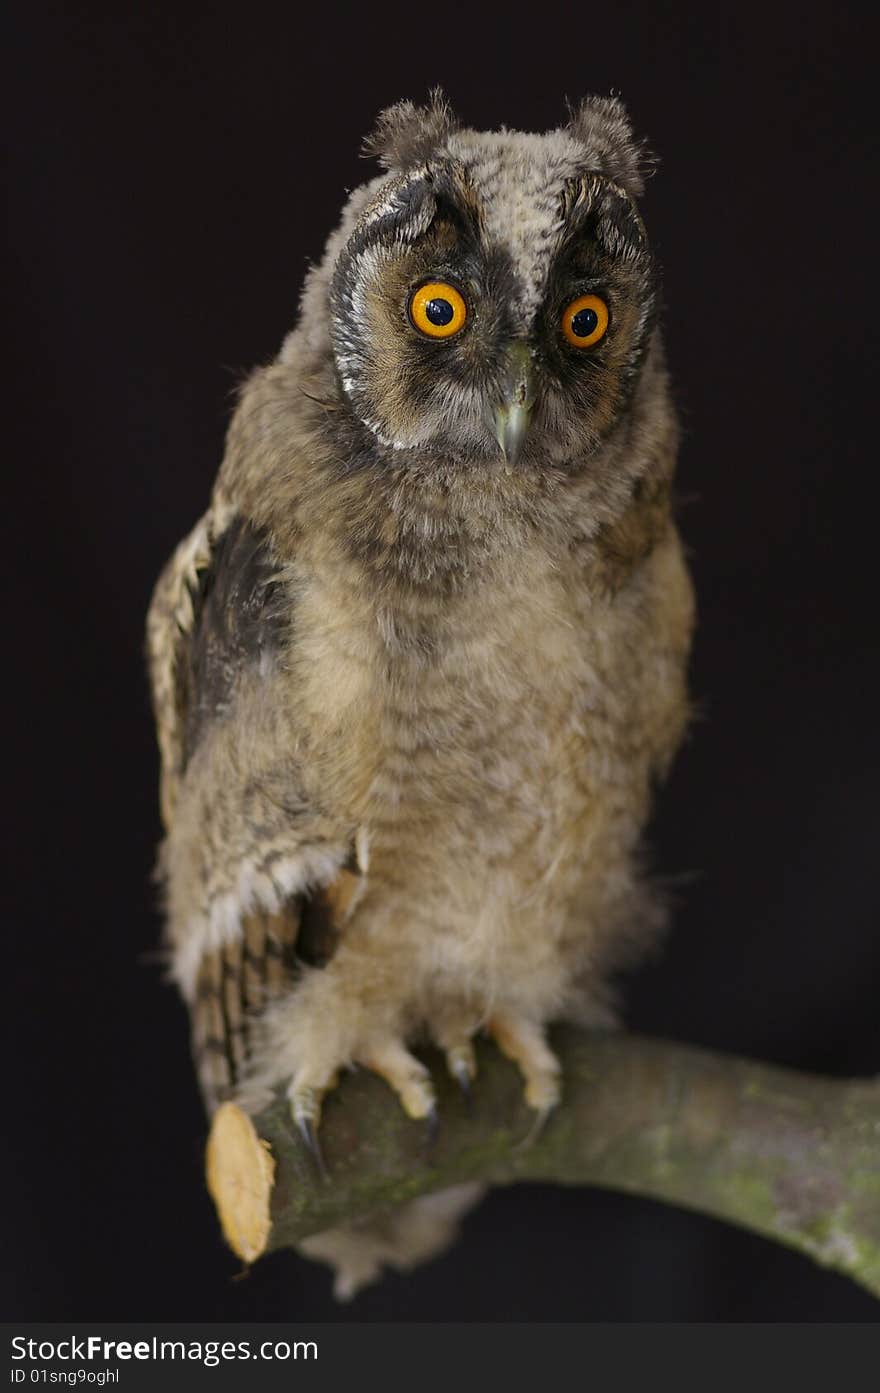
(420,664)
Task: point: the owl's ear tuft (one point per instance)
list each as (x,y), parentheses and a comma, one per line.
(407,135)
(602,126)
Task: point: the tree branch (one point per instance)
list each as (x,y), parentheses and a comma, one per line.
(793,1156)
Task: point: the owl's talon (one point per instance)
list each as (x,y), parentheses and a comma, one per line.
(463,1079)
(305,1106)
(309,1135)
(462,1065)
(432,1128)
(538,1124)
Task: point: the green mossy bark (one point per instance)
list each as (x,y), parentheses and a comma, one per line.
(793,1156)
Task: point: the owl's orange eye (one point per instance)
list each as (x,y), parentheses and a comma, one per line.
(585,321)
(438,310)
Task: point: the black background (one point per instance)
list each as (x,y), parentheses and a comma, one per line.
(173,171)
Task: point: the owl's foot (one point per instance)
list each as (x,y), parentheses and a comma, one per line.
(321,1053)
(391,1061)
(522,1040)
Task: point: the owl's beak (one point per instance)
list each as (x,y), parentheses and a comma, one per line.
(511,415)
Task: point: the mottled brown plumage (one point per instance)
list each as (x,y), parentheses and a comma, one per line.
(412,691)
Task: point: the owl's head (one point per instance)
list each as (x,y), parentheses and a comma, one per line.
(494,294)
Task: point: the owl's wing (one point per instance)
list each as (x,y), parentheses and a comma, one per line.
(173,629)
(218,616)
